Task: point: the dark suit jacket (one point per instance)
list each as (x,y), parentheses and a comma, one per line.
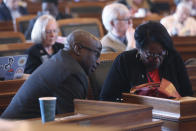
(5,14)
(128,71)
(37,55)
(61,76)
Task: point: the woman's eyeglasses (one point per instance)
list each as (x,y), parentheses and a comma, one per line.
(148,54)
(52,31)
(125,19)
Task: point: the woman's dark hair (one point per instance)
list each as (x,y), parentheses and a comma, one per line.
(152,31)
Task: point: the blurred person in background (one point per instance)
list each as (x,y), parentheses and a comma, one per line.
(117,21)
(138,8)
(5,14)
(48,7)
(15,8)
(193,9)
(11,9)
(180,23)
(44,35)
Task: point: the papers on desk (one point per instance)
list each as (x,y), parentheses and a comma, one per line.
(164,89)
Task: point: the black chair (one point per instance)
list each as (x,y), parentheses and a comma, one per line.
(98,77)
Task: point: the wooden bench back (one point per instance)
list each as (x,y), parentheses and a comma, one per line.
(11,37)
(85,9)
(186,46)
(91,25)
(14,49)
(8,89)
(6,26)
(191,70)
(22,22)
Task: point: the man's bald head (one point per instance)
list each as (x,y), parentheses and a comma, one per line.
(82,37)
(85,48)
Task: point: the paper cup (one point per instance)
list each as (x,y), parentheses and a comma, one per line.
(47,108)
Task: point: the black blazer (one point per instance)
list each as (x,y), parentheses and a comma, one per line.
(5,14)
(37,55)
(128,71)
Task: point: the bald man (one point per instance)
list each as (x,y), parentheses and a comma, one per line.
(63,76)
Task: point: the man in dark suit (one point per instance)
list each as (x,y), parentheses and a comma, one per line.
(63,76)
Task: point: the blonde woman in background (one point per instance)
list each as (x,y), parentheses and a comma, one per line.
(44,35)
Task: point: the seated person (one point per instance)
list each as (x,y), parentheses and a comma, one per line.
(48,7)
(117,21)
(44,35)
(15,8)
(193,9)
(63,76)
(138,8)
(5,14)
(180,23)
(153,59)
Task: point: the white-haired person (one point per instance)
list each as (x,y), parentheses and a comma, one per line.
(180,23)
(120,34)
(44,35)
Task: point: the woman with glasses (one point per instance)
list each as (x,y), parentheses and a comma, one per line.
(117,21)
(44,35)
(153,59)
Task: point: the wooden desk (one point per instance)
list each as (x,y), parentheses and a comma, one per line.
(178,115)
(29,126)
(120,115)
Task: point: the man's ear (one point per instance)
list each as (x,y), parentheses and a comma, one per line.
(76,50)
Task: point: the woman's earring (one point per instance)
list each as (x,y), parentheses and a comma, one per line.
(138,55)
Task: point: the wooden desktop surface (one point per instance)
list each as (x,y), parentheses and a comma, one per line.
(125,116)
(31,126)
